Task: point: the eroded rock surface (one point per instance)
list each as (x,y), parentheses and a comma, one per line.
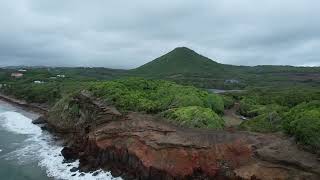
(136,145)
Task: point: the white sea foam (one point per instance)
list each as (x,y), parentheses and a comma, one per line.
(17,123)
(52,160)
(40,147)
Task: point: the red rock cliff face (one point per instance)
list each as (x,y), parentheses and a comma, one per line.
(170,150)
(140,146)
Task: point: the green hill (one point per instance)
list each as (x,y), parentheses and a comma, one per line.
(180,61)
(185,66)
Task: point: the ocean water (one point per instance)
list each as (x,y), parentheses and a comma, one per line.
(28,153)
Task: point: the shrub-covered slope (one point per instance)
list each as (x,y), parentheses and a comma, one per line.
(183,105)
(154,95)
(293,111)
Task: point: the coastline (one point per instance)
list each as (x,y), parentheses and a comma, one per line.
(142,138)
(31,153)
(24,105)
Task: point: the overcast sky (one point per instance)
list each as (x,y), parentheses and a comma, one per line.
(126,34)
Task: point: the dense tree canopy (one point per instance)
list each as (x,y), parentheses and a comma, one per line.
(154,95)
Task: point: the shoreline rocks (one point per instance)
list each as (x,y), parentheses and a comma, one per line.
(40,120)
(69,154)
(40,109)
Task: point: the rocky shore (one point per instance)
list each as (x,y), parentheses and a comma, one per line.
(38,108)
(141,146)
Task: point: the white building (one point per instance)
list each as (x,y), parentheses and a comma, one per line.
(61,76)
(38,82)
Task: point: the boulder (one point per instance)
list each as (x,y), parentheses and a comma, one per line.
(40,120)
(69,153)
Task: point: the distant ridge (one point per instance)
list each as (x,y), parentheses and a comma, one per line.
(183,60)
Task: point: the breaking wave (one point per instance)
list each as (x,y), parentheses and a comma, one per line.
(41,147)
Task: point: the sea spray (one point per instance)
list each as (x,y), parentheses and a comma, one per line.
(17,123)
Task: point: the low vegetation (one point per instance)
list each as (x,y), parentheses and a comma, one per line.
(303,122)
(183,105)
(154,96)
(195,116)
(295,112)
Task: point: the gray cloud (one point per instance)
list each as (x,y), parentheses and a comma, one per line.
(126,34)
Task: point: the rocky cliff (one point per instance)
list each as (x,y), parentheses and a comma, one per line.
(140,146)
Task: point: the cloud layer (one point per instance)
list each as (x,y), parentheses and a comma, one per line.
(126,34)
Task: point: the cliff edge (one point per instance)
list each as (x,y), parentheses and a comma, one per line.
(142,146)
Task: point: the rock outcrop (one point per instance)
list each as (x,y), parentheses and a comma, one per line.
(40,120)
(140,146)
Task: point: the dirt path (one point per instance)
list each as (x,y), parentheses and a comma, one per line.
(230,116)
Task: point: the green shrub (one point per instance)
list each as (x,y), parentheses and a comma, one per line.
(269,118)
(195,116)
(303,122)
(268,122)
(250,107)
(306,129)
(228,101)
(215,102)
